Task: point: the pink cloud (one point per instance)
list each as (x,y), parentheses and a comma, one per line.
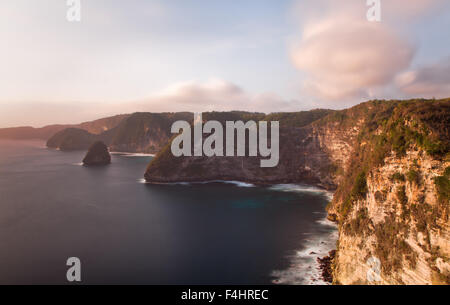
(212,95)
(427,81)
(345,57)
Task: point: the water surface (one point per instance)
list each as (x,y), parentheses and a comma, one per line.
(128,232)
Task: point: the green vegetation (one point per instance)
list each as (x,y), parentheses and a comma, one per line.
(391,245)
(398,177)
(359,191)
(360,224)
(401,195)
(413,176)
(72,139)
(443,186)
(298,119)
(381,196)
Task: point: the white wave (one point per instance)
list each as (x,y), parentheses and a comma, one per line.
(126,154)
(300,188)
(78,164)
(327,223)
(304,268)
(236,183)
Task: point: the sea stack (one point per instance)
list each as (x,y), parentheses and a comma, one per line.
(97,154)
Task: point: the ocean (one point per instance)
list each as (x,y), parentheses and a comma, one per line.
(126,231)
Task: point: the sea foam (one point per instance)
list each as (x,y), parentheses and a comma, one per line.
(125,154)
(304,268)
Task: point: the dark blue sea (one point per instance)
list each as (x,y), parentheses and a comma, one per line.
(125,231)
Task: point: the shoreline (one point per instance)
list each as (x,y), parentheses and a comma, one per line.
(305,265)
(325,265)
(130,154)
(318,186)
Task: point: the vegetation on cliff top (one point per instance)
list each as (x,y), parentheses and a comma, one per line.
(391,126)
(72,139)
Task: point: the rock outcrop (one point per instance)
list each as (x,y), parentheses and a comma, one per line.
(98,154)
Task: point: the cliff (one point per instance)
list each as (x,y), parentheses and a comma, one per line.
(302,158)
(393,203)
(389,164)
(45,133)
(72,139)
(138,132)
(145,132)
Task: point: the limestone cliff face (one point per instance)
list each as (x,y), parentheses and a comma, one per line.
(303,159)
(401,222)
(392,203)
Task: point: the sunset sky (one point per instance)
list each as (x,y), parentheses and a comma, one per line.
(201,55)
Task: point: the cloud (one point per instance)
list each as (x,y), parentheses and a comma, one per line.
(399,10)
(345,57)
(213,94)
(193,96)
(427,81)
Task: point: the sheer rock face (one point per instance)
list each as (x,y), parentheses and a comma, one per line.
(98,154)
(409,236)
(303,159)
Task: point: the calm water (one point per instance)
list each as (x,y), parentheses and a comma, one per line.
(128,232)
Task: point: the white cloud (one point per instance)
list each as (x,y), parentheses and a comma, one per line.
(213,94)
(427,81)
(346,58)
(193,96)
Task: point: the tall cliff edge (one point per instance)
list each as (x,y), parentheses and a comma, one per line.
(389,164)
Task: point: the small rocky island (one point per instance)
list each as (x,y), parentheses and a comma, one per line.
(97,154)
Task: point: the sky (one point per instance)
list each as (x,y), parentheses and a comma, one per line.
(203,55)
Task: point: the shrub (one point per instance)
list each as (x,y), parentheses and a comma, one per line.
(401,195)
(398,177)
(413,176)
(359,190)
(380,196)
(443,188)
